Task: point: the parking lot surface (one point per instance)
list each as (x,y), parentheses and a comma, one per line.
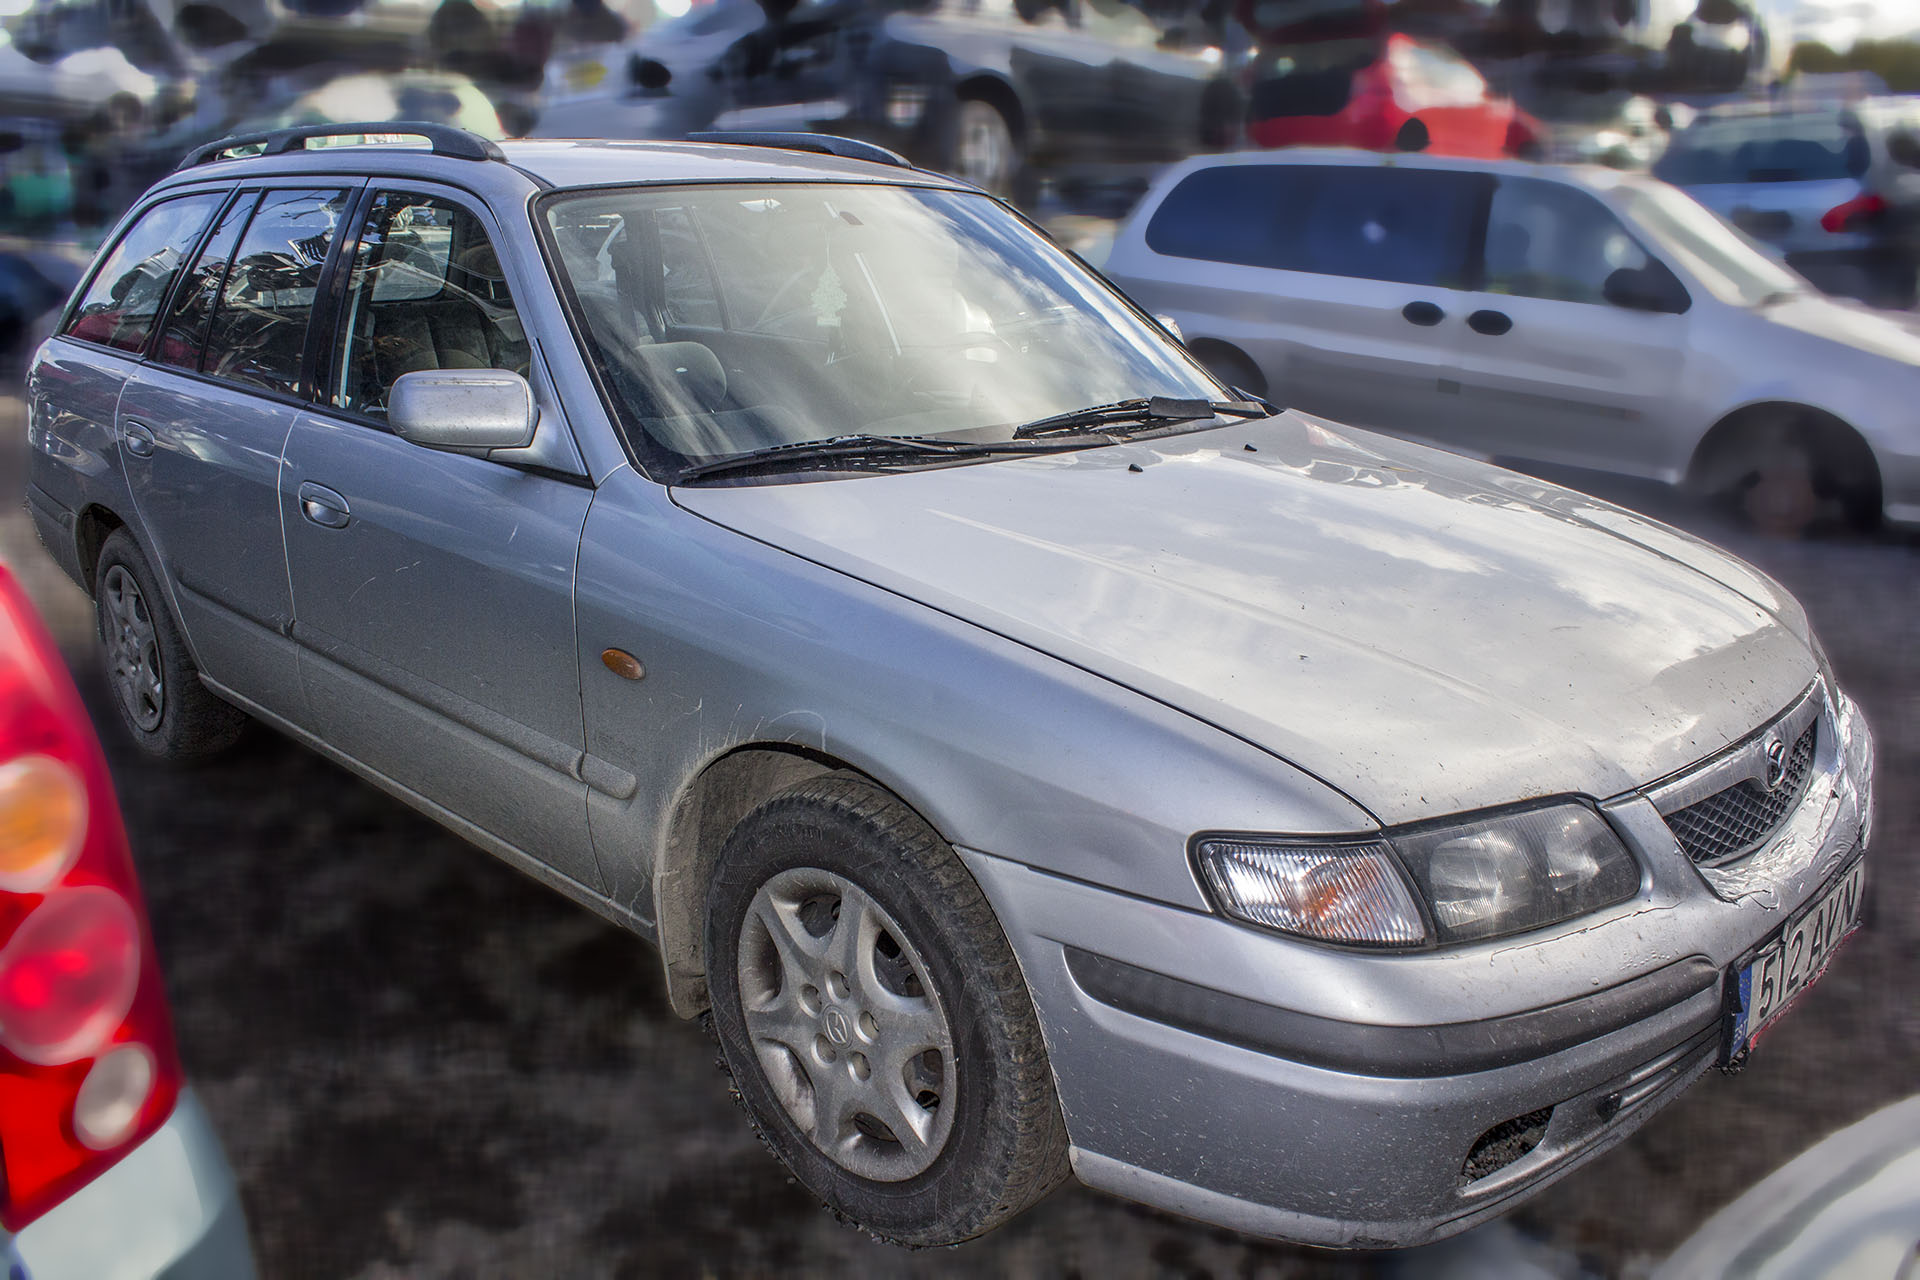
(423,1064)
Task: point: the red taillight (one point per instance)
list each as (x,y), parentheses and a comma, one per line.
(1862,208)
(87,1062)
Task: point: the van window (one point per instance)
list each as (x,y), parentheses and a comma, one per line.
(1410,226)
(120,305)
(259,330)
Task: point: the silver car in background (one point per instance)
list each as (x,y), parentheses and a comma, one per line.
(1573,316)
(1036,759)
(1834,191)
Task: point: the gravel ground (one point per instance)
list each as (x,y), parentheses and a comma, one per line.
(425,1065)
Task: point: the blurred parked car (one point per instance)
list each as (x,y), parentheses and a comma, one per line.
(1845,1209)
(1382,93)
(1836,191)
(110,1167)
(990,90)
(1588,318)
(435,97)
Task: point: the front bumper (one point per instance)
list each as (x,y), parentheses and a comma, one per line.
(1364,1100)
(168,1210)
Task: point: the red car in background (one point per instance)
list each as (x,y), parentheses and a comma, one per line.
(1329,73)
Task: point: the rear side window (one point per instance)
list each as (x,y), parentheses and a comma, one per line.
(183,342)
(122,302)
(1787,148)
(259,330)
(1409,226)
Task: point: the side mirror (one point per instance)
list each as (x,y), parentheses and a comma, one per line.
(463,410)
(1650,288)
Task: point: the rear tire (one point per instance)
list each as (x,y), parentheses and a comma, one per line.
(156,687)
(874,1019)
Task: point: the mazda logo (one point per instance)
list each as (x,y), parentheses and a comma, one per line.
(1776,764)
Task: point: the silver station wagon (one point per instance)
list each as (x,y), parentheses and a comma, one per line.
(1040,761)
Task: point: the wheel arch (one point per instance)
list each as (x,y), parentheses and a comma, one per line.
(1718,456)
(1209,350)
(92,526)
(709,806)
(982,86)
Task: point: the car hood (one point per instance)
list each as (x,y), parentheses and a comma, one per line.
(1424,632)
(1888,335)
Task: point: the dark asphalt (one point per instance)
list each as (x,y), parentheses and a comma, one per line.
(425,1065)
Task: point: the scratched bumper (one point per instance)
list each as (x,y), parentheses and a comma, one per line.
(1342,1098)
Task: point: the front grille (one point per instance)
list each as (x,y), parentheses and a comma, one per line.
(1744,815)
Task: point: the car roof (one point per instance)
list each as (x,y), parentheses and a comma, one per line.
(1592,176)
(570,163)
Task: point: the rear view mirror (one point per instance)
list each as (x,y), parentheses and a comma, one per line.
(1650,288)
(463,410)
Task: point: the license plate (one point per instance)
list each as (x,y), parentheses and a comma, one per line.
(1788,965)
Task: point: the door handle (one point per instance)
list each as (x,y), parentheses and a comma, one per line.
(1491,323)
(1424,314)
(139,438)
(323,506)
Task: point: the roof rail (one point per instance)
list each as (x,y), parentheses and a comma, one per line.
(827,144)
(445,139)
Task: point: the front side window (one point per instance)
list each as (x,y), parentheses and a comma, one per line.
(259,329)
(847,308)
(120,305)
(1550,240)
(1409,226)
(426,292)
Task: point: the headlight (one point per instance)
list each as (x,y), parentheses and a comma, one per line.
(1483,877)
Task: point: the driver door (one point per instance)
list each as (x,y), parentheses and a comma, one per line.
(433,592)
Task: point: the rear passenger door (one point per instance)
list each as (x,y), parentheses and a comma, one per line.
(203,421)
(433,592)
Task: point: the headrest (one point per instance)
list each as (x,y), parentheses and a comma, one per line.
(685,377)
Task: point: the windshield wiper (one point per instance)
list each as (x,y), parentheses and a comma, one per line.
(863,448)
(1142,411)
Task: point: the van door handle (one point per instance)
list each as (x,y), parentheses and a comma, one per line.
(323,506)
(1424,314)
(1491,323)
(139,438)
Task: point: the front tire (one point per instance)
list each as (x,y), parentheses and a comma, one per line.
(985,150)
(874,1019)
(156,687)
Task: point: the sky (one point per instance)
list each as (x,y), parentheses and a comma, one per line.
(1838,23)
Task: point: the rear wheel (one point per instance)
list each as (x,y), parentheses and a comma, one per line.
(1791,472)
(874,1019)
(156,687)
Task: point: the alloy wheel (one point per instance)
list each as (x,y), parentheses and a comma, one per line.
(133,651)
(846,1024)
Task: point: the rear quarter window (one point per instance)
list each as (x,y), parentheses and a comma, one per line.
(1409,226)
(124,297)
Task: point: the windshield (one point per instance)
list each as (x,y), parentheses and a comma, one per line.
(727,319)
(1717,255)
